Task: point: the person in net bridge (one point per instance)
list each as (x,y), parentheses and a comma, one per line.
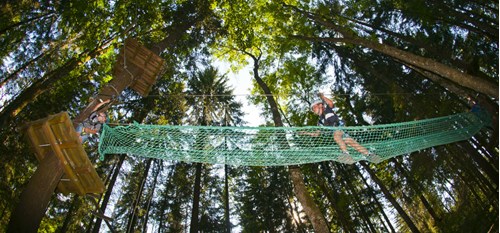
(93,124)
(327,117)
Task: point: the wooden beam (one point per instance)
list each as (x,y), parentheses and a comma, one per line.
(102,216)
(36,196)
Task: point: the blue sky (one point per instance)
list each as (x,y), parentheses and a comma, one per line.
(242,84)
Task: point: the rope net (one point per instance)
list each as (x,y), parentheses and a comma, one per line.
(280,146)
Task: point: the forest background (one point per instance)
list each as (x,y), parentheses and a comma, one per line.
(392,61)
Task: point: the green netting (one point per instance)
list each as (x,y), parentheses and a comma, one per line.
(277,146)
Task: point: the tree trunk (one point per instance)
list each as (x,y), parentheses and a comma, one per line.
(361,208)
(177,31)
(107,195)
(27,21)
(470,175)
(486,167)
(35,198)
(310,208)
(439,53)
(150,195)
(419,190)
(467,182)
(40,86)
(69,214)
(475,83)
(135,206)
(195,211)
(446,84)
(333,197)
(465,20)
(377,202)
(226,199)
(21,68)
(474,175)
(487,148)
(294,213)
(391,198)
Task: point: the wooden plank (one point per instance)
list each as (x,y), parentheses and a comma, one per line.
(97,185)
(150,73)
(147,60)
(67,168)
(34,144)
(56,135)
(69,144)
(82,169)
(139,55)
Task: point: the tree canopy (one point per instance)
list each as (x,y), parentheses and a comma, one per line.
(381,62)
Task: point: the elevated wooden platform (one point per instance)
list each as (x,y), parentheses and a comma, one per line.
(142,66)
(55,135)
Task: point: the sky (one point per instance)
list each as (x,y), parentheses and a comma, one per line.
(241,82)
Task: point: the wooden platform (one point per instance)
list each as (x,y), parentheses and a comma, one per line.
(55,135)
(142,66)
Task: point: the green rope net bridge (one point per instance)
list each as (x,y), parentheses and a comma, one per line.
(280,146)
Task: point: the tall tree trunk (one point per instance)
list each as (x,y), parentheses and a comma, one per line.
(391,198)
(470,169)
(470,175)
(36,197)
(418,189)
(107,195)
(69,214)
(464,20)
(27,21)
(478,84)
(164,204)
(40,86)
(293,213)
(195,211)
(226,199)
(176,32)
(136,205)
(21,68)
(354,194)
(487,148)
(377,202)
(333,197)
(156,172)
(486,167)
(310,208)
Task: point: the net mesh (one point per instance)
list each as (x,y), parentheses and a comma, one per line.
(279,146)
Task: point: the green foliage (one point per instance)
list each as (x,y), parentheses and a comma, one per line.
(263,200)
(38,38)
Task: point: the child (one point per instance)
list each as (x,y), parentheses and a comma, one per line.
(329,118)
(91,125)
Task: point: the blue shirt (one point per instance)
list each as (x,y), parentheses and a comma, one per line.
(328,117)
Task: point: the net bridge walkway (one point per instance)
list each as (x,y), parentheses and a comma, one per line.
(281,146)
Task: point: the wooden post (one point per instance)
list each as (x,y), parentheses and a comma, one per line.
(36,197)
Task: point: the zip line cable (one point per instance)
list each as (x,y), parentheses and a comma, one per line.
(277,95)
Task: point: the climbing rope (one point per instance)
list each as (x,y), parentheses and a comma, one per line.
(279,146)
